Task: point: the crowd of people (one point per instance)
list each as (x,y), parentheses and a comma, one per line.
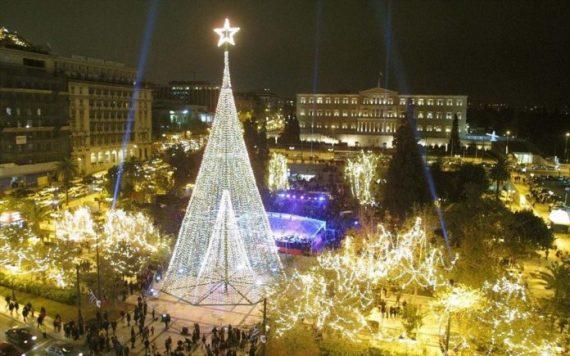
(136,332)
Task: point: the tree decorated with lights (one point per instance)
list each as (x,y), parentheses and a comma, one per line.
(75,226)
(338,295)
(225,172)
(362,173)
(129,240)
(277,173)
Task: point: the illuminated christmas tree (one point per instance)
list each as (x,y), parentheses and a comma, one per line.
(225,197)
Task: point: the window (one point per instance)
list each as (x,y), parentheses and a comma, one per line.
(449,102)
(336,100)
(311,100)
(430,102)
(327,100)
(336,113)
(354,101)
(402,101)
(458,115)
(459,102)
(448,115)
(319,100)
(420,101)
(420,115)
(447,129)
(302,112)
(9,111)
(345,100)
(439,102)
(420,128)
(430,115)
(344,113)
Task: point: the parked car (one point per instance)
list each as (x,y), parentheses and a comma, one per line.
(7,349)
(62,349)
(21,336)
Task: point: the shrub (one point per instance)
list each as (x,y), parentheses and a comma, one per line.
(62,295)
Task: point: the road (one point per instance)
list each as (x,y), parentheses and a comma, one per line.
(41,343)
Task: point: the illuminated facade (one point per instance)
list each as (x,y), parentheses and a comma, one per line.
(93,104)
(370,117)
(98,117)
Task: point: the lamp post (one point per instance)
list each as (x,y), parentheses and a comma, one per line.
(507,147)
(566,146)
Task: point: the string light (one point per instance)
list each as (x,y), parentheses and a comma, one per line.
(225,167)
(278,174)
(129,240)
(76,226)
(361,173)
(338,293)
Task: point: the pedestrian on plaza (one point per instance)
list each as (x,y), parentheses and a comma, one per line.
(133,330)
(122,315)
(25,312)
(145,309)
(17,307)
(146,346)
(133,339)
(114,327)
(168,345)
(152,330)
(153,314)
(40,320)
(11,307)
(128,319)
(8,299)
(57,323)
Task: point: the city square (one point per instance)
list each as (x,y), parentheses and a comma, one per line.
(146,213)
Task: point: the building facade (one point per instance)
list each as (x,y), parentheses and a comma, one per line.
(370,117)
(34,122)
(101,133)
(195,92)
(107,116)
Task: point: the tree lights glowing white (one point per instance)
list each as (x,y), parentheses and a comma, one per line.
(278,174)
(225,168)
(361,173)
(129,240)
(76,226)
(225,274)
(337,295)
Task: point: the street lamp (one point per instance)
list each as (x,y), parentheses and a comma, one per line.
(507,147)
(566,147)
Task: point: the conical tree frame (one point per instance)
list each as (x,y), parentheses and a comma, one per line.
(225,168)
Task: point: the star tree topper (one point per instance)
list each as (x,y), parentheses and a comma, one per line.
(226,34)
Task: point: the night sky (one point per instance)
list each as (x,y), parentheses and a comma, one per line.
(514,52)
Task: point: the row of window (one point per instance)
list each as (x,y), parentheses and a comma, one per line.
(380,101)
(27,111)
(376,113)
(375,127)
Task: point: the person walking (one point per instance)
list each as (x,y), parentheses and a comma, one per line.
(128,319)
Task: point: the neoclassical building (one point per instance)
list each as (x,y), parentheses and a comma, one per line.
(370,117)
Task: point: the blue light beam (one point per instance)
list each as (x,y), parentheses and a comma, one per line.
(143,55)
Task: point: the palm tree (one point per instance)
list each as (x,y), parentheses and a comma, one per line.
(557,279)
(34,215)
(500,172)
(65,170)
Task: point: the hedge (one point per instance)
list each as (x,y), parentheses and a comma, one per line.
(67,295)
